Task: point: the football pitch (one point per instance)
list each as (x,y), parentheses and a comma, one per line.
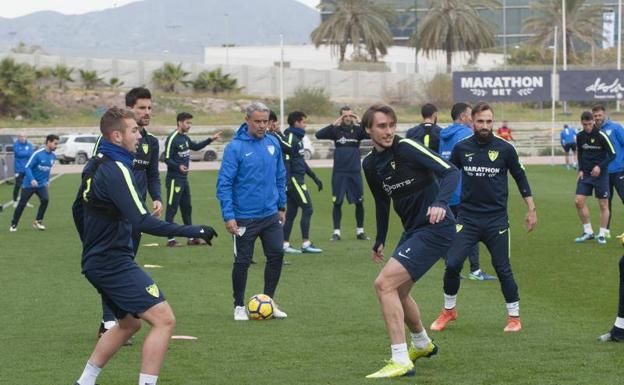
(334,333)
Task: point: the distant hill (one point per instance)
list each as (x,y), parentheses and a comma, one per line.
(156,26)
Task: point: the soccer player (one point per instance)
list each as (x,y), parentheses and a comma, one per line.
(615,132)
(113,208)
(251,188)
(346,176)
(616,334)
(595,151)
(420,184)
(428,132)
(178,148)
(22,150)
(484,160)
(297,194)
(567,138)
(505,132)
(36,180)
(459,130)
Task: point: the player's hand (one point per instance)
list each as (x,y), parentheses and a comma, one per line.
(595,172)
(530,220)
(183,169)
(338,121)
(34,183)
(282,217)
(216,136)
(207,233)
(356,118)
(319,184)
(232,227)
(580,176)
(378,254)
(436,214)
(157,206)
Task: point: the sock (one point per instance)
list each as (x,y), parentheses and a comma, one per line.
(147,379)
(399,354)
(450,301)
(306,244)
(513,309)
(359,230)
(89,375)
(602,232)
(286,245)
(109,324)
(337,231)
(476,272)
(420,340)
(587,228)
(170,239)
(619,323)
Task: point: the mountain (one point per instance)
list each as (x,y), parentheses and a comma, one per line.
(157,26)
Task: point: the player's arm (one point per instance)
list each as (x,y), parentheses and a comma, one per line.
(517,172)
(153,175)
(327,133)
(579,152)
(362,135)
(196,146)
(382,205)
(610,151)
(561,138)
(30,166)
(312,175)
(225,182)
(281,183)
(170,156)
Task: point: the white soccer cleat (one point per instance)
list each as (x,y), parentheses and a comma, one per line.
(240,314)
(14,204)
(277,313)
(38,225)
(13,228)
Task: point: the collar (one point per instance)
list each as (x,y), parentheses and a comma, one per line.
(116,153)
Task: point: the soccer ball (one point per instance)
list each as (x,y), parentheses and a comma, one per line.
(260,307)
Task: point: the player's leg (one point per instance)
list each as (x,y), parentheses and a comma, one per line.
(243,252)
(616,334)
(186,209)
(26,194)
(19,178)
(174,190)
(306,217)
(583,190)
(602,193)
(44,199)
(355,195)
(272,237)
(162,322)
(293,200)
(337,198)
(421,345)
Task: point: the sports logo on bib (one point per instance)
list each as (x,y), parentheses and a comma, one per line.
(458,228)
(177,189)
(153,290)
(393,165)
(145,147)
(271,149)
(493,155)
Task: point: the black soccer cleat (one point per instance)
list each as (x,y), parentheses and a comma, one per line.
(363,237)
(335,237)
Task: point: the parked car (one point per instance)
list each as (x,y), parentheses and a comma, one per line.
(76,148)
(6,142)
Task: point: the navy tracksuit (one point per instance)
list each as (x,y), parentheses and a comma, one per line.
(483,209)
(594,148)
(426,133)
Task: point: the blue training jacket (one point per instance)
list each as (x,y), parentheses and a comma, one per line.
(38,168)
(567,136)
(252,177)
(449,136)
(22,152)
(616,136)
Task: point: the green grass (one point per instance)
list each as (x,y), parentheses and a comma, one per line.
(335,333)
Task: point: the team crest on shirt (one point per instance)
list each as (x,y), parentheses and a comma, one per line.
(608,132)
(393,165)
(458,228)
(492,154)
(592,140)
(271,149)
(153,290)
(177,189)
(145,147)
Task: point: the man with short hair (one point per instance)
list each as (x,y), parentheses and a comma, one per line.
(36,180)
(251,189)
(427,132)
(419,183)
(346,177)
(567,138)
(594,151)
(22,150)
(178,148)
(485,160)
(112,209)
(297,194)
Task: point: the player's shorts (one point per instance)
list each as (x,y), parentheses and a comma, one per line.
(569,147)
(126,290)
(599,185)
(418,250)
(349,184)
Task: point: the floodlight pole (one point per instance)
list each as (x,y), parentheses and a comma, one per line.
(505,34)
(227,39)
(619,47)
(564,32)
(553,105)
(281,74)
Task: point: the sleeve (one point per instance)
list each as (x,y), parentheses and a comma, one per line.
(362,135)
(456,157)
(610,151)
(411,133)
(170,155)
(448,175)
(516,169)
(153,175)
(281,181)
(30,165)
(22,151)
(382,204)
(196,146)
(310,173)
(579,151)
(328,133)
(225,182)
(561,138)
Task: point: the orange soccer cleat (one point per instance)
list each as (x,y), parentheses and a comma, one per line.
(444,318)
(513,324)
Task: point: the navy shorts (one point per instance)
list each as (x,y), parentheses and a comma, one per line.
(569,146)
(418,250)
(349,184)
(599,185)
(126,290)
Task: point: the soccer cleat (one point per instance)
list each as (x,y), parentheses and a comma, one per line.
(363,237)
(194,242)
(513,324)
(608,337)
(335,237)
(310,249)
(584,237)
(15,204)
(620,236)
(240,314)
(13,228)
(38,225)
(277,313)
(481,276)
(601,240)
(291,250)
(427,352)
(393,369)
(173,243)
(607,234)
(443,319)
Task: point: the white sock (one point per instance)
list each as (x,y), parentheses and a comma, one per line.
(359,230)
(306,244)
(89,375)
(337,231)
(619,323)
(602,232)
(450,301)
(109,324)
(513,309)
(587,228)
(420,340)
(476,272)
(147,379)
(399,354)
(286,245)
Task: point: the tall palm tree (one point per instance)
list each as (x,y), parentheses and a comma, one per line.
(583,23)
(452,26)
(62,73)
(361,23)
(170,76)
(90,79)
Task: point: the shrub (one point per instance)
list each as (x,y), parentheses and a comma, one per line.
(215,82)
(312,101)
(439,91)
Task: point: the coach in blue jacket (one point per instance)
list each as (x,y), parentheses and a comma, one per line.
(252,190)
(22,150)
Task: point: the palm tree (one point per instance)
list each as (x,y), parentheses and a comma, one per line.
(62,73)
(214,81)
(17,88)
(452,26)
(170,76)
(90,79)
(114,83)
(356,22)
(583,23)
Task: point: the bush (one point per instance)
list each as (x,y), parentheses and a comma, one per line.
(439,91)
(400,95)
(312,101)
(170,76)
(215,82)
(18,91)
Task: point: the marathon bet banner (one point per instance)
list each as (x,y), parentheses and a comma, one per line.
(502,86)
(598,85)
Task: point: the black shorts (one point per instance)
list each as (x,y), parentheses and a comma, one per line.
(599,185)
(569,146)
(349,184)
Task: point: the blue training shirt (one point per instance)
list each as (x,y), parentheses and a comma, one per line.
(616,136)
(22,152)
(38,168)
(567,136)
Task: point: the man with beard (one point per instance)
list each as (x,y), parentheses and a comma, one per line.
(427,132)
(484,160)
